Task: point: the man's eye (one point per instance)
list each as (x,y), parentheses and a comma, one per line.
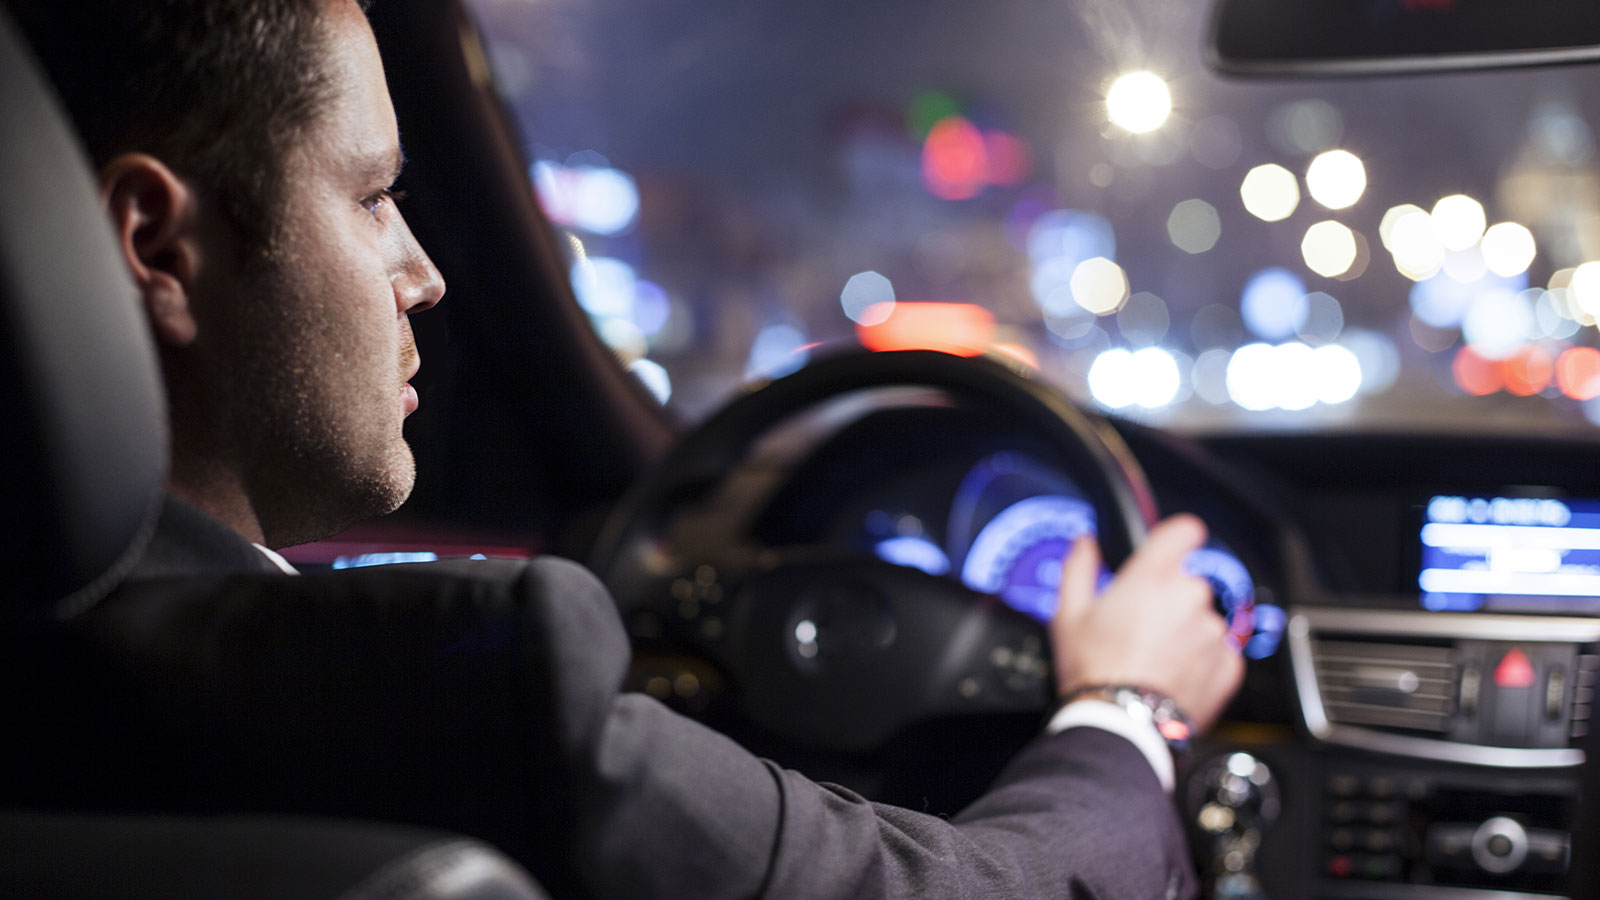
(382,198)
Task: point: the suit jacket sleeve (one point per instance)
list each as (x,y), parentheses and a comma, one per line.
(666,803)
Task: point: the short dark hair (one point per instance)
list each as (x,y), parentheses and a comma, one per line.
(216,89)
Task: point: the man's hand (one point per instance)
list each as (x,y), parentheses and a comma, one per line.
(1153,627)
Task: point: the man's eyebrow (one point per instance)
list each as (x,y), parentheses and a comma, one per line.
(382,166)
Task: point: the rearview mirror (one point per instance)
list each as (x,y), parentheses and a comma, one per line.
(1380,37)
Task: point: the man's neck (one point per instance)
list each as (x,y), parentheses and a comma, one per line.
(220,494)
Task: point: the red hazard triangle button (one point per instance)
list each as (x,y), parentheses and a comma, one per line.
(1514,670)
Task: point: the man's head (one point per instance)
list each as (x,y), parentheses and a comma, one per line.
(246,148)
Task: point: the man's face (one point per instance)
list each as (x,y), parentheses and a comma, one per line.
(314,348)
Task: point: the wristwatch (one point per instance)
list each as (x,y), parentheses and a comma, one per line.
(1144,705)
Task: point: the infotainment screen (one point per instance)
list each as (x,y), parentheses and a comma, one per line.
(1511,554)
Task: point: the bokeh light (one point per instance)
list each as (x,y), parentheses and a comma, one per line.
(1273,304)
(1578,373)
(1336,179)
(1498,323)
(1329,248)
(1099,286)
(1292,376)
(1270,192)
(955,160)
(654,377)
(1119,378)
(604,286)
(778,350)
(1529,371)
(1215,143)
(1417,248)
(1459,221)
(1378,356)
(867,298)
(1508,248)
(1139,102)
(1144,319)
(1324,320)
(1474,374)
(1393,215)
(597,199)
(1194,226)
(1583,289)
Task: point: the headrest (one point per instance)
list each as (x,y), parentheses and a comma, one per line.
(84,429)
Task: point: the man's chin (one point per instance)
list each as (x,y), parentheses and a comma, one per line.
(337,504)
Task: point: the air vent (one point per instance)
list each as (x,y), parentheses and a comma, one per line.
(1403,687)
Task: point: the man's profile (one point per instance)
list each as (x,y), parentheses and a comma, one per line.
(277,276)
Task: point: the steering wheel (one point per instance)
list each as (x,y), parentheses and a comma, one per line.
(841,651)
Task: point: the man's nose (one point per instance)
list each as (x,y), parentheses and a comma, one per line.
(417,282)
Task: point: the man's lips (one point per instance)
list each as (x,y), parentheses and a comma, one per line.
(408,394)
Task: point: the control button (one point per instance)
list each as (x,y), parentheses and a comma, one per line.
(1342,839)
(1471,690)
(1547,851)
(1379,841)
(1514,670)
(1499,845)
(1340,866)
(1381,787)
(1450,845)
(1382,813)
(1342,813)
(1382,868)
(1344,786)
(1555,693)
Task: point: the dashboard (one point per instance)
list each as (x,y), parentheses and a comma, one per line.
(1417,613)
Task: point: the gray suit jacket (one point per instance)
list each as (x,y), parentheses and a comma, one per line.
(485,698)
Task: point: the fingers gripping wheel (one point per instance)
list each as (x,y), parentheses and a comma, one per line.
(840,651)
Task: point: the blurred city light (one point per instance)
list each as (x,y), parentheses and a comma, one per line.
(1584,288)
(1441,301)
(654,377)
(1498,323)
(1144,319)
(1270,192)
(1071,234)
(867,298)
(1305,126)
(1459,221)
(1508,248)
(1099,286)
(1378,356)
(651,307)
(1194,226)
(1292,376)
(1273,304)
(1417,248)
(1578,373)
(623,337)
(1393,215)
(604,286)
(1120,378)
(1336,179)
(1210,376)
(962,329)
(1474,374)
(1551,315)
(778,350)
(1324,319)
(1329,248)
(1139,102)
(955,160)
(597,199)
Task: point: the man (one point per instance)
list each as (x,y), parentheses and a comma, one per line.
(245,151)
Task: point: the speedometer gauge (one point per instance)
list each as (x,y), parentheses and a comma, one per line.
(1255,628)
(1018,554)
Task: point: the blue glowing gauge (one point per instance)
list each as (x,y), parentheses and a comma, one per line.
(1018,554)
(1256,628)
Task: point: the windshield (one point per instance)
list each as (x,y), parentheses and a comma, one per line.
(742,186)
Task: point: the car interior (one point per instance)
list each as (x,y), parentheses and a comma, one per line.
(842,557)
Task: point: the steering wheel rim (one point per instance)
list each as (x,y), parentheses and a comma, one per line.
(882,615)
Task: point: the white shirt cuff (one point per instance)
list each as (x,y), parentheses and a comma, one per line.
(1113,718)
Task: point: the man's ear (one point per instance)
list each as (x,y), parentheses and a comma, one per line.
(154,214)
